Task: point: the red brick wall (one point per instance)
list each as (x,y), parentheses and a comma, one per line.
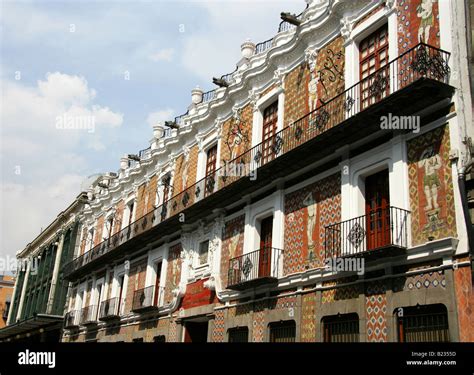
(296,94)
(98,230)
(83,240)
(151,191)
(465,303)
(230,143)
(178,173)
(330,70)
(140,209)
(118,217)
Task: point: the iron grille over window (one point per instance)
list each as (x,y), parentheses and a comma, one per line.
(283,331)
(341,328)
(239,334)
(427,323)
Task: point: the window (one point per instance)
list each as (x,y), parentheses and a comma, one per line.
(140,339)
(6,310)
(156,297)
(211,163)
(90,239)
(121,302)
(377,210)
(428,323)
(341,328)
(239,334)
(110,225)
(166,182)
(373,55)
(283,331)
(265,251)
(203,252)
(130,213)
(161,338)
(270,119)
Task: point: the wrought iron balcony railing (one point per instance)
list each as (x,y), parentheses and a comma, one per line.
(145,299)
(208,96)
(111,308)
(363,235)
(263,46)
(88,315)
(145,153)
(261,265)
(72,319)
(422,61)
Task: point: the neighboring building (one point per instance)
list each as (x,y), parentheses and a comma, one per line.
(39,296)
(6,290)
(353,225)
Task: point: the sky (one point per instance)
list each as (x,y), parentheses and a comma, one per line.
(124,64)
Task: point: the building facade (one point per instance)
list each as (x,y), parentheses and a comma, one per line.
(317,195)
(6,290)
(40,293)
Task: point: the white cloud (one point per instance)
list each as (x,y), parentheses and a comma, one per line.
(52,162)
(26,209)
(162,55)
(160,116)
(65,89)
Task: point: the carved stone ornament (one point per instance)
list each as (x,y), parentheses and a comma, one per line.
(278,77)
(310,57)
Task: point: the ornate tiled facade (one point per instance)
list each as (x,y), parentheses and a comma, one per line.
(237,134)
(315,174)
(232,243)
(258,325)
(218,334)
(376,309)
(307,212)
(174,271)
(340,293)
(463,281)
(308,318)
(418,20)
(426,280)
(431,188)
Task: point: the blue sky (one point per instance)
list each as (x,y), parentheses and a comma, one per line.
(63,57)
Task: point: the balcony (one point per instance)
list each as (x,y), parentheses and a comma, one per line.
(413,81)
(254,269)
(145,300)
(71,319)
(111,309)
(379,234)
(88,315)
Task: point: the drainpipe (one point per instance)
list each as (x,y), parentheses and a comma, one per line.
(462,190)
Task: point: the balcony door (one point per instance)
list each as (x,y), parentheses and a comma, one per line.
(120,295)
(373,55)
(157,284)
(377,210)
(270,120)
(211,164)
(264,259)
